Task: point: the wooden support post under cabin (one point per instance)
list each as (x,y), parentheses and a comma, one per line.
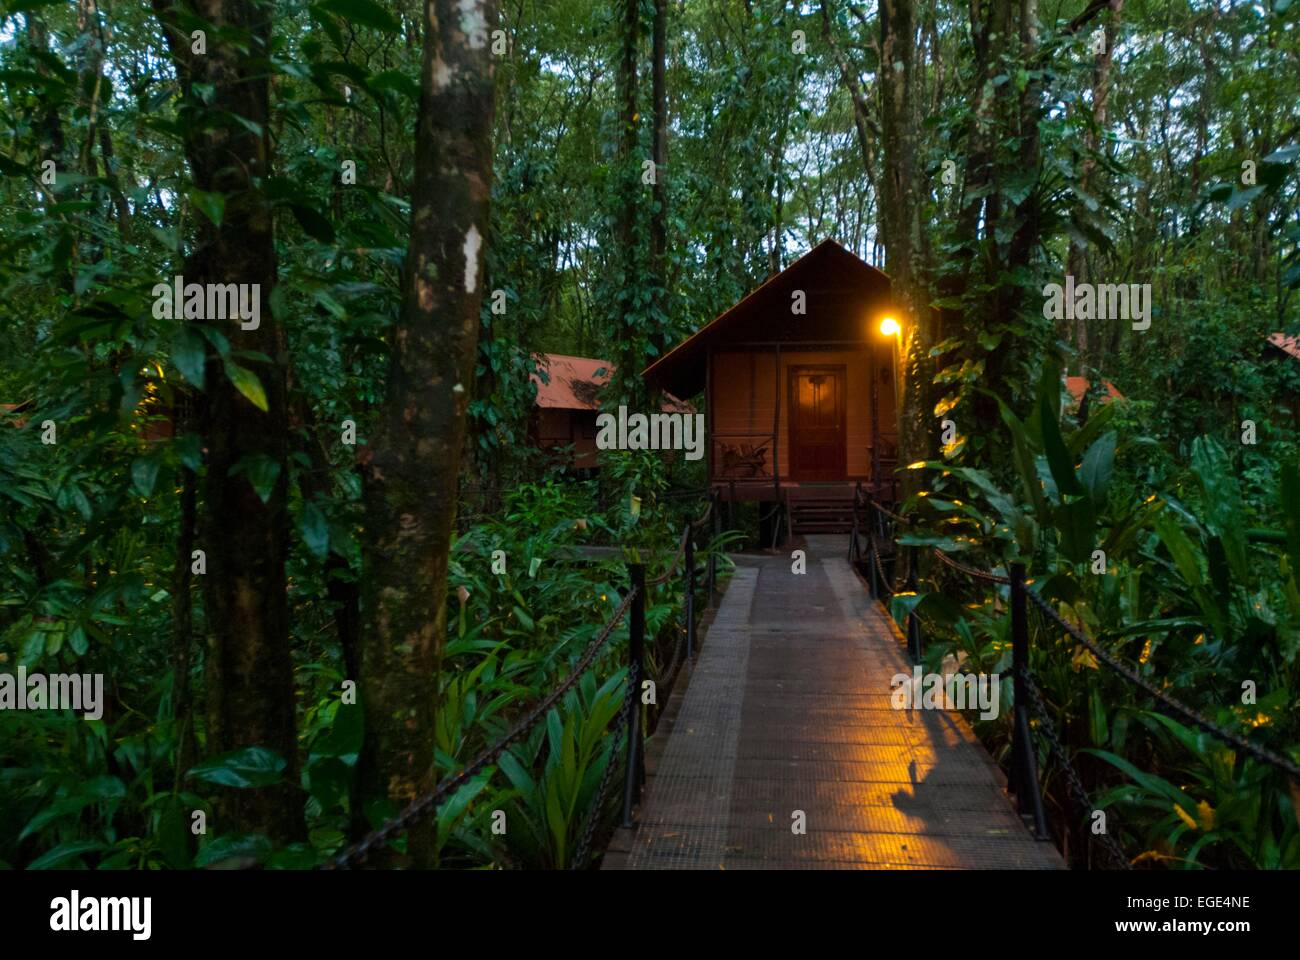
(776,449)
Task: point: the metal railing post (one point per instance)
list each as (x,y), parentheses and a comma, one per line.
(873,552)
(635,668)
(713,558)
(1024,765)
(690,591)
(913,621)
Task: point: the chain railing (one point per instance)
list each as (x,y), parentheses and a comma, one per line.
(628,720)
(1262,754)
(881,525)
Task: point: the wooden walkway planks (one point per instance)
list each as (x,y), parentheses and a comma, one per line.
(788,708)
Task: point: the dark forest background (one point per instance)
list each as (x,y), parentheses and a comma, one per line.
(430,193)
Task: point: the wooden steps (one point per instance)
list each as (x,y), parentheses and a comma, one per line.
(829,514)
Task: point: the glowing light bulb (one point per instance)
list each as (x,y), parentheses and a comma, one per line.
(889,327)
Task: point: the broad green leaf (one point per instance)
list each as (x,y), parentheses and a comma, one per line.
(189,448)
(252,846)
(1026,465)
(189,354)
(516,774)
(247,383)
(262,472)
(1077,523)
(313,223)
(315,530)
(1098,419)
(1224,514)
(77,640)
(1098,464)
(33,648)
(1180,548)
(1058,457)
(249,767)
(1240,198)
(64,852)
(1288,153)
(212,205)
(1157,786)
(144,474)
(364,13)
(1097,725)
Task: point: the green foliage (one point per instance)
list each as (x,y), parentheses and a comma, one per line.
(1197,591)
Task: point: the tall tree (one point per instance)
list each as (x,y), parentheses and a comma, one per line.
(628,306)
(659,154)
(1076,260)
(414,455)
(900,218)
(220,49)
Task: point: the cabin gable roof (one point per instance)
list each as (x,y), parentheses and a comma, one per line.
(571,383)
(843,296)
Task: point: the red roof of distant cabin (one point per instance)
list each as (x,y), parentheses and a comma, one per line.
(574,384)
(1078,386)
(1285,343)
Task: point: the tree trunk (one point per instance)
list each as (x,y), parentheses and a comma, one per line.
(900,222)
(249,668)
(183,629)
(411,473)
(629,384)
(1076,260)
(659,215)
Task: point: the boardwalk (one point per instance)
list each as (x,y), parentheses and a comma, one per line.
(788,710)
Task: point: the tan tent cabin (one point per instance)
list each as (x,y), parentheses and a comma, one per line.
(799,385)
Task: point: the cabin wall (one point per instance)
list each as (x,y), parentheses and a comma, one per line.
(556,427)
(745,392)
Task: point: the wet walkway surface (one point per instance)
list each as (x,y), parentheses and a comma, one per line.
(788,712)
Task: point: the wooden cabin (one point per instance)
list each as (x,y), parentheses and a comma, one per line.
(799,385)
(567,404)
(568,400)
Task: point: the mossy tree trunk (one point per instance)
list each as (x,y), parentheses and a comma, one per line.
(249,667)
(411,471)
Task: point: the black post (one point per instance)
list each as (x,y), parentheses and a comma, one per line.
(873,552)
(713,559)
(690,591)
(853,544)
(1024,765)
(635,668)
(913,622)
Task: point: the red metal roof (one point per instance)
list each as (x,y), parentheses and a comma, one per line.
(1078,386)
(1286,343)
(575,385)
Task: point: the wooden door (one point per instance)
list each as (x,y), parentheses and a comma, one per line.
(818,434)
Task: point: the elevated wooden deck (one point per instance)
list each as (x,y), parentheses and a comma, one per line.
(788,710)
